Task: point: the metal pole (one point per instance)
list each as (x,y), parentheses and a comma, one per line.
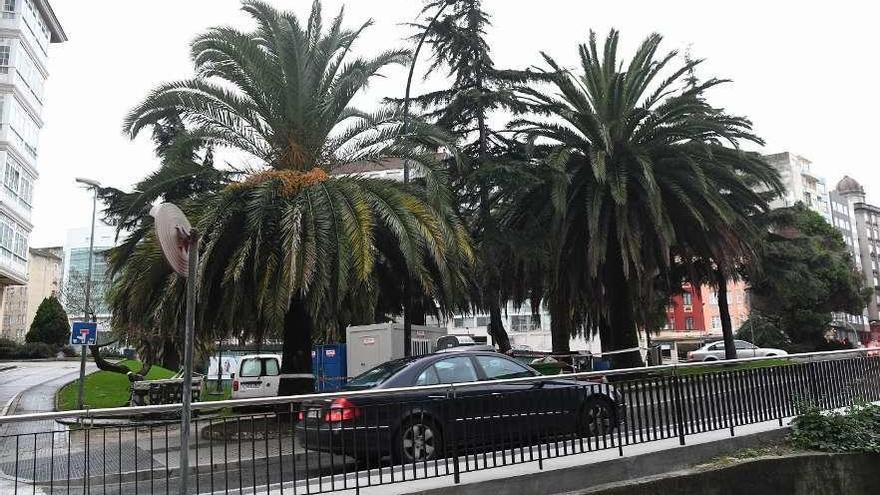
(407,299)
(82,360)
(186,414)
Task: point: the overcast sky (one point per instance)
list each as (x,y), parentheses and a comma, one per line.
(805,72)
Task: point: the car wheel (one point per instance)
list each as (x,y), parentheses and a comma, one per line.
(419,439)
(769,355)
(710,359)
(597,417)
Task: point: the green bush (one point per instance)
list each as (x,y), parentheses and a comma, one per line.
(855,430)
(36,350)
(8,348)
(50,325)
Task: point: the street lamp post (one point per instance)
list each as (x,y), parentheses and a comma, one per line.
(407,296)
(93,185)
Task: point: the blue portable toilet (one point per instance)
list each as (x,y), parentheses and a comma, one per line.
(329,366)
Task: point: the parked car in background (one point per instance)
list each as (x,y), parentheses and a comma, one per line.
(714,351)
(258,375)
(418,425)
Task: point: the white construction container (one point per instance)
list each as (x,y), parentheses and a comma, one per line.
(372,345)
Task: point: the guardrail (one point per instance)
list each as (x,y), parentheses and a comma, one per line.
(350,440)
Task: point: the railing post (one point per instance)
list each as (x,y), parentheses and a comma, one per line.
(677,404)
(453,438)
(814,383)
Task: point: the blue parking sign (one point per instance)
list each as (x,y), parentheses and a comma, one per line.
(84,333)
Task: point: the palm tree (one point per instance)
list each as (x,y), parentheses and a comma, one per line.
(285,248)
(644,157)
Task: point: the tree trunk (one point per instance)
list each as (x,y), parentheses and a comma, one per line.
(621,330)
(171,355)
(407,320)
(105,365)
(296,355)
(496,327)
(560,326)
(724,313)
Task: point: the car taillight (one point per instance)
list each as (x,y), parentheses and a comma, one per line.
(302,415)
(690,355)
(341,410)
(235,385)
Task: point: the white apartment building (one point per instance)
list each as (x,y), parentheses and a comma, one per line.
(27,28)
(526,331)
(801,183)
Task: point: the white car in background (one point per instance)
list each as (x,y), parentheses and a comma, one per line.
(258,375)
(714,351)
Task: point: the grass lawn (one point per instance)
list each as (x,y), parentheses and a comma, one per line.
(105,388)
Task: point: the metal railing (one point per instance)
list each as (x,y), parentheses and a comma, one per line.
(319,443)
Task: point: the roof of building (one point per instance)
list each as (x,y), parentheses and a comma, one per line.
(848,184)
(48,252)
(364,166)
(57,32)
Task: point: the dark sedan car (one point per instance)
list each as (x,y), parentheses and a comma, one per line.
(421,425)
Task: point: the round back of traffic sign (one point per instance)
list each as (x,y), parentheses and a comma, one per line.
(172,230)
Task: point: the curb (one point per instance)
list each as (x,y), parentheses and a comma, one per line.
(9,404)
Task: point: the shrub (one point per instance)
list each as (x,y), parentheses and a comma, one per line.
(855,430)
(50,325)
(8,348)
(35,350)
(69,351)
(833,345)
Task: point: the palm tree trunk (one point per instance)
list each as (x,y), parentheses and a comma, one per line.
(296,352)
(560,325)
(496,327)
(621,330)
(724,313)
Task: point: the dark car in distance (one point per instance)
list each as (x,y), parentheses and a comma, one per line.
(422,425)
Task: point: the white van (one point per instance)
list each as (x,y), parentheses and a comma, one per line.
(257,375)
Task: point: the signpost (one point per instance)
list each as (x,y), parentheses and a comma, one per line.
(84,333)
(180,244)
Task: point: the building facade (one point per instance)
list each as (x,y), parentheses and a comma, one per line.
(685,311)
(76,265)
(737,304)
(27,28)
(526,331)
(801,183)
(20,302)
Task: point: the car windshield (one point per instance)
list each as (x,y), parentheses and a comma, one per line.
(377,375)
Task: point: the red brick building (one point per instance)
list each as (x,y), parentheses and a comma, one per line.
(685,311)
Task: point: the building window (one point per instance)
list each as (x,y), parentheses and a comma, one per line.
(716,322)
(458,322)
(689,323)
(4,57)
(8,9)
(688,299)
(482,321)
(525,323)
(11,177)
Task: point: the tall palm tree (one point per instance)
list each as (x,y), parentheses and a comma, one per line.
(645,156)
(286,247)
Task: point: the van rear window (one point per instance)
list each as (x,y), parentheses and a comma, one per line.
(250,367)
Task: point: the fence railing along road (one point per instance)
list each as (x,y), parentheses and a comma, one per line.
(328,442)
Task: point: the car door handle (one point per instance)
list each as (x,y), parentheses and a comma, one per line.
(496,394)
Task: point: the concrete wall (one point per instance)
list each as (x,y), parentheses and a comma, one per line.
(803,474)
